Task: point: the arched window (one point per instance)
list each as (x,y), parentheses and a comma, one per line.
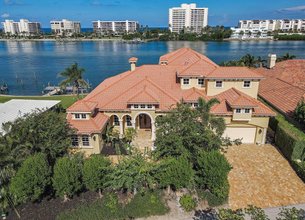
(116,120)
(128,121)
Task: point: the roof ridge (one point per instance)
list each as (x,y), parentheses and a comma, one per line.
(290,84)
(103,90)
(141,91)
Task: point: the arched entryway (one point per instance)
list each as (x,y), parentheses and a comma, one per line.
(143,121)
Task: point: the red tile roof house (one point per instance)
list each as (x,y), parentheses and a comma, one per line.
(284,85)
(135,98)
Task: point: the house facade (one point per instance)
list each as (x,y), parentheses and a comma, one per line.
(134,99)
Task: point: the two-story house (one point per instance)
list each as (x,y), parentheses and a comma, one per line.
(134,99)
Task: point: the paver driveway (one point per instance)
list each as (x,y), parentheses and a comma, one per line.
(261,176)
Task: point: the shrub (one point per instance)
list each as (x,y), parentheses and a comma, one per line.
(291,214)
(188,203)
(229,214)
(32,179)
(67,177)
(95,171)
(176,173)
(145,205)
(108,208)
(256,213)
(213,200)
(213,170)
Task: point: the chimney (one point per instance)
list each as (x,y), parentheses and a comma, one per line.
(271,61)
(133,61)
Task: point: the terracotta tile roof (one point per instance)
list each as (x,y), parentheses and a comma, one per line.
(234,96)
(158,84)
(234,73)
(284,85)
(192,95)
(93,125)
(145,96)
(83,106)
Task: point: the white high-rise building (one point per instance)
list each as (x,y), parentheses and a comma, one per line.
(118,27)
(65,27)
(273,25)
(188,17)
(23,27)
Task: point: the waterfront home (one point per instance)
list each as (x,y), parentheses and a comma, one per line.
(284,85)
(135,98)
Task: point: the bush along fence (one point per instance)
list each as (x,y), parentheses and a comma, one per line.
(291,142)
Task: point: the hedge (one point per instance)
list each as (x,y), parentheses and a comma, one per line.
(291,142)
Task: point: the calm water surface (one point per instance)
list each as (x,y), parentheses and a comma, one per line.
(28,67)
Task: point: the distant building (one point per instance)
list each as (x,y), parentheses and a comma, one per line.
(284,25)
(23,27)
(65,27)
(239,33)
(188,17)
(116,27)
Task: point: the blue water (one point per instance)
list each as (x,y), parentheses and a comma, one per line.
(28,67)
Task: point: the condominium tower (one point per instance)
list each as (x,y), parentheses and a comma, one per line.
(116,27)
(188,17)
(23,27)
(65,27)
(273,25)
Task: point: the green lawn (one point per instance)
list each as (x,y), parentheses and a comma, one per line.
(66,101)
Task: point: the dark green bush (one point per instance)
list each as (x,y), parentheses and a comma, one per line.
(284,141)
(213,170)
(188,203)
(32,179)
(213,200)
(146,204)
(229,214)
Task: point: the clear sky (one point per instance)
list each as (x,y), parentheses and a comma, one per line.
(148,12)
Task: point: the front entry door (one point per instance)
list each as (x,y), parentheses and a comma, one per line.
(145,121)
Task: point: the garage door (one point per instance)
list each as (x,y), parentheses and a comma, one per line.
(246,134)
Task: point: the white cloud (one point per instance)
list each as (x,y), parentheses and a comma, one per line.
(5,15)
(294,9)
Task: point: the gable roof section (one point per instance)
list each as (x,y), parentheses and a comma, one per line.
(145,96)
(83,106)
(192,95)
(93,125)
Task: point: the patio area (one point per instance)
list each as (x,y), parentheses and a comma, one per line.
(261,176)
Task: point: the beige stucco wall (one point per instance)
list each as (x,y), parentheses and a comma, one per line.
(252,91)
(95,145)
(261,124)
(193,83)
(242,116)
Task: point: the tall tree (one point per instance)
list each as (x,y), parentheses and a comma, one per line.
(74,77)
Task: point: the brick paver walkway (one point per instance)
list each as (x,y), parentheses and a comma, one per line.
(262,177)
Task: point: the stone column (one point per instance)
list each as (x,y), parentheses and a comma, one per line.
(153,131)
(121,128)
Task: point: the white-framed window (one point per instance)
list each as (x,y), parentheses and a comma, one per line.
(195,104)
(218,84)
(116,120)
(128,121)
(247,110)
(149,106)
(238,111)
(84,116)
(77,116)
(142,106)
(200,81)
(186,81)
(85,140)
(247,84)
(74,140)
(136,106)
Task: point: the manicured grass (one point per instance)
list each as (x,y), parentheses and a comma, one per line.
(66,101)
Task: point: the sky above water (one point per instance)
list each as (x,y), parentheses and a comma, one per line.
(148,12)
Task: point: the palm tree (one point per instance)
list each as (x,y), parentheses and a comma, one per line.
(74,77)
(248,60)
(209,120)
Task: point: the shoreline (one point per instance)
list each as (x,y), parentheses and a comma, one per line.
(61,40)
